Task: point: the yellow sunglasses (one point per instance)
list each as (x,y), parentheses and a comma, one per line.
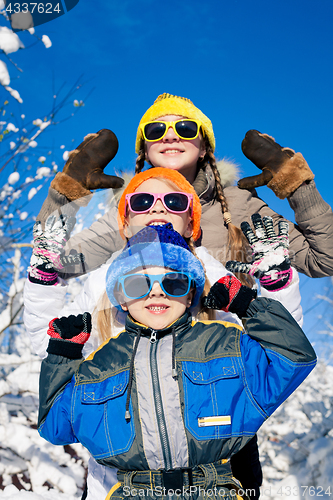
(185,129)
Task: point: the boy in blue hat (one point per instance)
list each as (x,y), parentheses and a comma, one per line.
(168,401)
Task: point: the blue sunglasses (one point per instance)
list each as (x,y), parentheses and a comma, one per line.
(137,286)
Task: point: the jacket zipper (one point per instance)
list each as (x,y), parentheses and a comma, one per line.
(158,402)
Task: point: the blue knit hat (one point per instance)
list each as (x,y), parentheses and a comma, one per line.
(156,246)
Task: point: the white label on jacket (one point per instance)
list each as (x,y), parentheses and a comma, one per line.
(209,421)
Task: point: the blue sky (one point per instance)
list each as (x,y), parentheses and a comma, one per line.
(260,64)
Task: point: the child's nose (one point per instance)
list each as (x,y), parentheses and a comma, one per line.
(170,135)
(158,207)
(156,290)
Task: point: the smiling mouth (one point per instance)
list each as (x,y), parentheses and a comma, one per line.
(157,309)
(171,151)
(157,223)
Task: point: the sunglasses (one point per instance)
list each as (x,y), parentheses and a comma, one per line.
(137,286)
(176,202)
(185,129)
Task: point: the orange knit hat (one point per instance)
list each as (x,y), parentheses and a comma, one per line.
(173,176)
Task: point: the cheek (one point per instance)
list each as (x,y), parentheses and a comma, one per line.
(150,148)
(135,219)
(182,220)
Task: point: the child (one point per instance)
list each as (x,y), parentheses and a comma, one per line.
(42,303)
(159,180)
(168,401)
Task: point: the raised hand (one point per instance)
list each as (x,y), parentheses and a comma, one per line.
(283,170)
(228,294)
(87,162)
(270,255)
(74,329)
(48,252)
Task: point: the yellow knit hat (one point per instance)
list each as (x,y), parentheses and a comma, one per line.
(167,104)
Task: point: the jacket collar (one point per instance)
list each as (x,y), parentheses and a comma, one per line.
(182,324)
(204,184)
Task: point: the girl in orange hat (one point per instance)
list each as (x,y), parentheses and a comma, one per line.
(157,196)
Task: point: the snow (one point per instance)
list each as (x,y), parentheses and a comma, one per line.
(296,443)
(32,193)
(4,75)
(39,469)
(11,127)
(45,124)
(14,177)
(46,41)
(65,155)
(43,172)
(14,93)
(9,41)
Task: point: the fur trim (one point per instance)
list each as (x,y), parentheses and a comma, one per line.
(290,176)
(70,188)
(91,135)
(229,172)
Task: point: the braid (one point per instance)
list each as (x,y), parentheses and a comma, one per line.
(238,247)
(140,161)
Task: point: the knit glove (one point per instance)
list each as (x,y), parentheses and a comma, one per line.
(48,252)
(69,334)
(283,170)
(270,256)
(228,294)
(85,166)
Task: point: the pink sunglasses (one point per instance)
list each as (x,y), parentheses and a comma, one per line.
(176,202)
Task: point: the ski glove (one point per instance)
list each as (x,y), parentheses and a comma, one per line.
(48,252)
(228,294)
(283,170)
(69,334)
(270,256)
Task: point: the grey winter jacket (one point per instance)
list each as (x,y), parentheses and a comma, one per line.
(311,239)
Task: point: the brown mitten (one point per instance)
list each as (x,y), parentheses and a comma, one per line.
(84,168)
(283,170)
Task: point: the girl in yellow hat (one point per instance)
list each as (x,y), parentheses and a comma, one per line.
(173,133)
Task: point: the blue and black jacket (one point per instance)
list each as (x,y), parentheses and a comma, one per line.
(195,392)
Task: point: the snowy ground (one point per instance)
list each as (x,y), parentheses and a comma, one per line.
(296,444)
